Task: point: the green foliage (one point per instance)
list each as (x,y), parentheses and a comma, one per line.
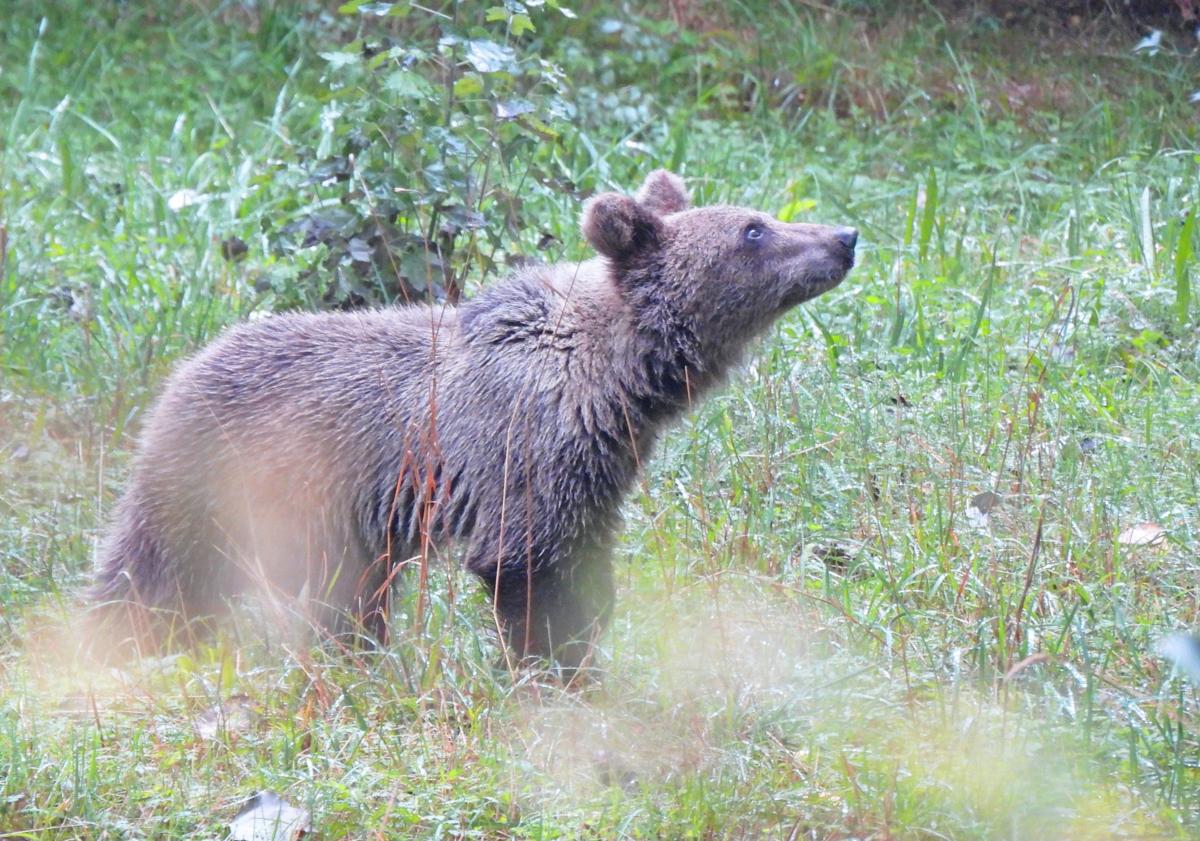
(819,634)
(431,124)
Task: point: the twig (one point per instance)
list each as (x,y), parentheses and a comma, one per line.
(1033,557)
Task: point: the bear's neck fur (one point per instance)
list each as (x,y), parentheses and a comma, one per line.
(667,365)
(616,336)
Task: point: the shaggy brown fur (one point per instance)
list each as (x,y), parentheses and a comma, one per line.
(311,454)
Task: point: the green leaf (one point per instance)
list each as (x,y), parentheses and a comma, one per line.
(496,13)
(510,109)
(794,208)
(417,269)
(406,83)
(338,60)
(521,24)
(467,86)
(563,10)
(539,128)
(488,56)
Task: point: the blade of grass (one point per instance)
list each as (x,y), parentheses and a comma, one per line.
(1183,259)
(928,216)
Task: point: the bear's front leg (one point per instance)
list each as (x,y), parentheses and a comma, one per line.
(554,612)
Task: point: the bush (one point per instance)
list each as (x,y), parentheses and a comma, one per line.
(432,123)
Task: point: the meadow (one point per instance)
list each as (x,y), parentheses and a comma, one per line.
(904,578)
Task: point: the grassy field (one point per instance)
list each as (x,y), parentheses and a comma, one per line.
(819,634)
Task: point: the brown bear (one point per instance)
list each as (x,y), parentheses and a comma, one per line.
(310,455)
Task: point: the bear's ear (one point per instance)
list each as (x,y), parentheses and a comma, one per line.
(618,227)
(663,192)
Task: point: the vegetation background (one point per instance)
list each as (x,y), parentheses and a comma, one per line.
(905,578)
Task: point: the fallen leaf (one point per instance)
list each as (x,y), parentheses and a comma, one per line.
(268,817)
(230,718)
(842,558)
(1143,534)
(1150,44)
(980,508)
(233,249)
(833,556)
(1183,650)
(184,198)
(985,502)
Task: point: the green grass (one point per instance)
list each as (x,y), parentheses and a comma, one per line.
(814,639)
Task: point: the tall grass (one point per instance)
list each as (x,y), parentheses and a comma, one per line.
(820,634)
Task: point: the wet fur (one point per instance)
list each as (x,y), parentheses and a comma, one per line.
(315,453)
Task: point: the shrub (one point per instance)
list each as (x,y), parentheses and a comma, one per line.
(431,124)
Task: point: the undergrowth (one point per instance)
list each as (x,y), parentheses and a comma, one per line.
(876,588)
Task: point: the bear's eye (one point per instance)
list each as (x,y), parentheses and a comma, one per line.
(753,233)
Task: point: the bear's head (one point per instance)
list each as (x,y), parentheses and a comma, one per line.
(720,273)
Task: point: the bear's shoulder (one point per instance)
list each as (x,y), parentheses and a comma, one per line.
(534,303)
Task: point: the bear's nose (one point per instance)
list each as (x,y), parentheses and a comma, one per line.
(847,237)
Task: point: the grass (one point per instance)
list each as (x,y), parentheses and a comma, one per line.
(816,637)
